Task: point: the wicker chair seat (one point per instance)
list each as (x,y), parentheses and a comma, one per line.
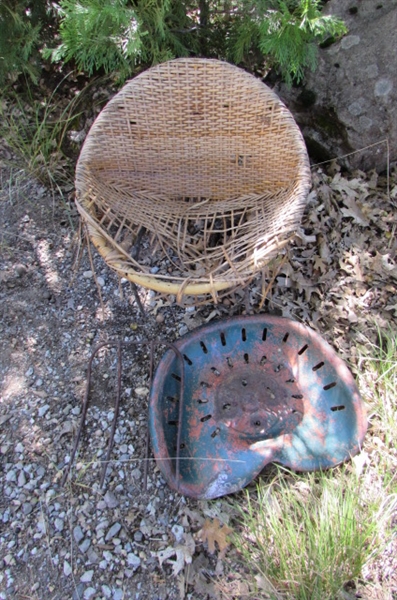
(208,160)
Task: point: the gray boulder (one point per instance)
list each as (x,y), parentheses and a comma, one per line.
(350,101)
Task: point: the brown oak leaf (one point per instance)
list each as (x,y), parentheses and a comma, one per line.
(214,532)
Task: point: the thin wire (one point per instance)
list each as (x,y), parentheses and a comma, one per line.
(385,141)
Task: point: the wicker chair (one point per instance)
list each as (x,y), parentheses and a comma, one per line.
(207,161)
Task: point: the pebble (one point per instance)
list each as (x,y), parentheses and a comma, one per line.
(85,545)
(11,476)
(89,593)
(110,499)
(78,534)
(59,524)
(27,508)
(87,274)
(78,592)
(21,479)
(92,556)
(87,576)
(67,569)
(100,281)
(43,410)
(138,536)
(133,560)
(106,591)
(19,448)
(20,270)
(113,531)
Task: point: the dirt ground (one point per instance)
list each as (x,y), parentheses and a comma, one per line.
(119,542)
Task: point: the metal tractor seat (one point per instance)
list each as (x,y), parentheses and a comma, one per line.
(244,392)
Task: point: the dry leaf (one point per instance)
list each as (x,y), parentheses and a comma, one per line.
(353,210)
(183,554)
(214,532)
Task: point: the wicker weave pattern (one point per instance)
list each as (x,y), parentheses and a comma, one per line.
(208,160)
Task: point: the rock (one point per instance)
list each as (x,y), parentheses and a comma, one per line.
(87,576)
(11,476)
(133,560)
(106,591)
(43,410)
(111,500)
(67,569)
(89,593)
(108,556)
(350,101)
(85,545)
(92,556)
(27,508)
(87,274)
(78,592)
(59,524)
(21,479)
(113,531)
(20,270)
(78,534)
(138,536)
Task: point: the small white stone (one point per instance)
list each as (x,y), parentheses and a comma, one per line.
(89,593)
(141,391)
(87,576)
(43,410)
(106,591)
(88,274)
(78,534)
(21,479)
(133,560)
(113,531)
(59,524)
(100,281)
(67,569)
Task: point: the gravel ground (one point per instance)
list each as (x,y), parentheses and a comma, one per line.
(80,541)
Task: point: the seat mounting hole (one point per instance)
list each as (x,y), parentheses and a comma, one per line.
(329,386)
(204,347)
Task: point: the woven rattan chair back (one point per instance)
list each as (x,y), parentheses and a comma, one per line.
(208,160)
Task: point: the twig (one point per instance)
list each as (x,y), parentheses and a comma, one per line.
(116,414)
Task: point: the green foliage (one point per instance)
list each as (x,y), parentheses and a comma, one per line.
(291,33)
(116,36)
(306,536)
(286,33)
(119,35)
(19,41)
